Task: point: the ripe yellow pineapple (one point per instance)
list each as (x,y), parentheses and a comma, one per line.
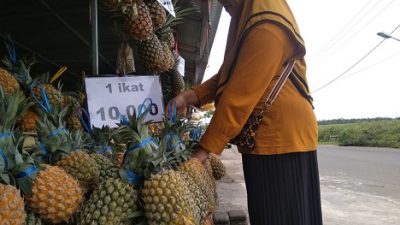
(157,13)
(8,82)
(140,26)
(111,203)
(12,211)
(56,195)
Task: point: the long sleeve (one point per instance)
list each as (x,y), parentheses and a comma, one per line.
(205,92)
(260,60)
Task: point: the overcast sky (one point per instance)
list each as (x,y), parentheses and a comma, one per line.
(337,35)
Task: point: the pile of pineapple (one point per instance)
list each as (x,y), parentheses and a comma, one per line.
(70,175)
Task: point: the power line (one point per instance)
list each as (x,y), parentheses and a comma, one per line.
(339,35)
(359,30)
(355,64)
(391,57)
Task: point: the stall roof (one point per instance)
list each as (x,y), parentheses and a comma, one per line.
(59,33)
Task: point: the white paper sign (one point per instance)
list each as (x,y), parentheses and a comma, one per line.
(111,97)
(168,5)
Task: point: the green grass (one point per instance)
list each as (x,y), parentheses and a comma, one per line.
(376,133)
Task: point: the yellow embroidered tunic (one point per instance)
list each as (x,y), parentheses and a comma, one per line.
(288,126)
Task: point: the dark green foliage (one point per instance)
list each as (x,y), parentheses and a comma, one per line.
(375,133)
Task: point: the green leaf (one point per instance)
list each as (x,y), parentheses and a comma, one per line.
(25,184)
(5,178)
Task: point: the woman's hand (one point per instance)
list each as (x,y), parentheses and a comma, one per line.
(201,154)
(181,102)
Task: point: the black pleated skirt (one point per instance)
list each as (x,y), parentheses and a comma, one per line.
(283,189)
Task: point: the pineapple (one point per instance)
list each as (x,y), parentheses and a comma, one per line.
(166,196)
(107,167)
(119,158)
(111,203)
(200,199)
(218,168)
(140,26)
(170,40)
(53,94)
(51,193)
(168,200)
(80,165)
(177,82)
(65,148)
(169,55)
(198,173)
(152,53)
(8,82)
(11,206)
(56,195)
(74,113)
(157,13)
(73,122)
(28,121)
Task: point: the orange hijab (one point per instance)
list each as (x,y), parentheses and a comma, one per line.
(253,13)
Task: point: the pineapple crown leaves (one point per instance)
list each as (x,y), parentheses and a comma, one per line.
(55,141)
(101,139)
(19,168)
(21,70)
(44,78)
(12,107)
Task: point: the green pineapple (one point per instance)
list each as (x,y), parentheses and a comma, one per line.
(218,168)
(112,202)
(202,186)
(108,169)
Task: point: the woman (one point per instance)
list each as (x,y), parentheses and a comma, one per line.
(281,171)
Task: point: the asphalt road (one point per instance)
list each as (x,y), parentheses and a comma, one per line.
(360,185)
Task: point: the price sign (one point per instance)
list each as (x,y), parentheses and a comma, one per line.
(168,5)
(110,98)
